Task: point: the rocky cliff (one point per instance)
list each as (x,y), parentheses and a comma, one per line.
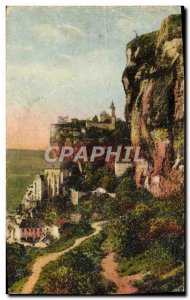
(153,81)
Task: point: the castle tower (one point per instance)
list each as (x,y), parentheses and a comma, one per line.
(113,116)
(112,107)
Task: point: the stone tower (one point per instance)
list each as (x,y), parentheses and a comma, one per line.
(113,116)
(112,107)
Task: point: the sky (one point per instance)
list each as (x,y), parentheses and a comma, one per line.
(67,61)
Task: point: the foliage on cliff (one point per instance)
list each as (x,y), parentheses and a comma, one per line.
(148,237)
(153,81)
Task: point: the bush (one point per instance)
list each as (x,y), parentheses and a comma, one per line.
(77,272)
(172,281)
(18,260)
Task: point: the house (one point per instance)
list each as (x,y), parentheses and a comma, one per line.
(60,222)
(53,230)
(31,230)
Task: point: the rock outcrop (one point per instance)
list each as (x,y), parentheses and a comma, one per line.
(153,81)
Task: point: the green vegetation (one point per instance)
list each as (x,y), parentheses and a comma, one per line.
(160,134)
(16,288)
(20,258)
(147,45)
(143,40)
(171,28)
(95,177)
(145,233)
(115,137)
(161,110)
(148,237)
(77,272)
(179,139)
(151,260)
(22,166)
(171,281)
(68,236)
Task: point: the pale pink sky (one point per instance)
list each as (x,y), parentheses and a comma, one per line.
(27,130)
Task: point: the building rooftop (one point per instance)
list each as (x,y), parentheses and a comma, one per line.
(112,105)
(104,113)
(31,223)
(60,222)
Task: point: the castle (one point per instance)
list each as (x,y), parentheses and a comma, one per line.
(105,120)
(76,129)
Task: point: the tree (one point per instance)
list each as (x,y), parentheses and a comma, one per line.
(121,132)
(17,262)
(95,119)
(111,209)
(126,187)
(108,182)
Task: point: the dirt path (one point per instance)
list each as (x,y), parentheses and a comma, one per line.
(124,287)
(45,259)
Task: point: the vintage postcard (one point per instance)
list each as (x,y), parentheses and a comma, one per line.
(95,150)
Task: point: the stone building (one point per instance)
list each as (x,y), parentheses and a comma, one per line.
(35,192)
(75,196)
(39,187)
(31,230)
(49,184)
(106,121)
(104,117)
(55,178)
(121,168)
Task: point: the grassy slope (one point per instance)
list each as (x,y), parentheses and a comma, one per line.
(67,239)
(22,166)
(74,261)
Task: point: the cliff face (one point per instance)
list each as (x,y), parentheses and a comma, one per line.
(153,81)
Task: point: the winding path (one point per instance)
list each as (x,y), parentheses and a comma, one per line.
(42,261)
(124,287)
